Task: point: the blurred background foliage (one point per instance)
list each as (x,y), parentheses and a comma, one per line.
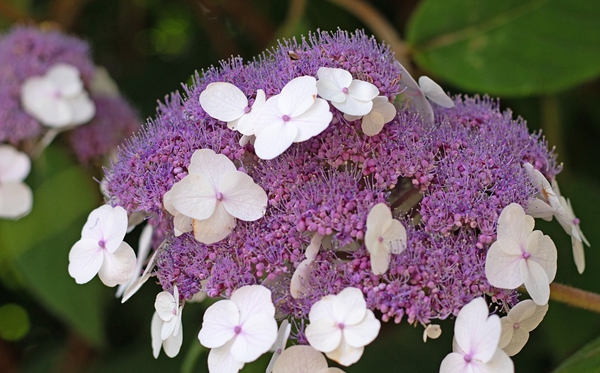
(541,57)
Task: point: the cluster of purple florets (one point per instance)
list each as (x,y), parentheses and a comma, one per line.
(446,181)
(28,51)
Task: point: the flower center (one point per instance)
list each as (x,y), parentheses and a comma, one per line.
(345,90)
(247,109)
(468,358)
(102,244)
(219,196)
(286,118)
(516,325)
(526,255)
(341,325)
(380,239)
(237,329)
(575,221)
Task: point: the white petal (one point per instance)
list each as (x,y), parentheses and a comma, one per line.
(85,260)
(155,328)
(221,361)
(345,354)
(173,343)
(540,209)
(500,363)
(218,226)
(362,91)
(578,254)
(349,306)
(298,96)
(39,100)
(536,281)
(517,341)
(353,106)
(313,121)
(245,124)
(166,305)
(274,139)
(223,101)
(102,84)
(331,82)
(432,331)
(107,224)
(371,123)
(363,333)
(434,92)
(220,319)
(323,334)
(137,284)
(502,270)
(300,279)
(454,363)
(144,244)
(117,267)
(242,197)
(514,228)
(16,200)
(211,165)
(14,165)
(259,332)
(414,93)
(253,299)
(82,108)
(543,251)
(299,359)
(476,332)
(66,78)
(194,197)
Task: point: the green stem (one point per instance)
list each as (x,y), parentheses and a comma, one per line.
(575,297)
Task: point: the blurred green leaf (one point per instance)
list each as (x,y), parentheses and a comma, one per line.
(510,48)
(14,322)
(38,245)
(586,360)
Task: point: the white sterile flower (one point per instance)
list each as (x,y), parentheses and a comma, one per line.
(372,123)
(341,325)
(521,319)
(16,198)
(432,331)
(212,196)
(350,96)
(475,346)
(57,99)
(101,249)
(166,328)
(570,224)
(547,204)
(521,256)
(300,278)
(279,345)
(413,92)
(239,330)
(226,102)
(384,236)
(144,246)
(434,92)
(303,359)
(294,115)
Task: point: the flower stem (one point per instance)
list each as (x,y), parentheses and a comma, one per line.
(575,297)
(380,26)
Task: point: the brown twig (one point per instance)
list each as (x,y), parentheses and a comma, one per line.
(66,12)
(575,297)
(379,25)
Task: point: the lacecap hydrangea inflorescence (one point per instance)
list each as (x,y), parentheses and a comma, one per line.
(446,179)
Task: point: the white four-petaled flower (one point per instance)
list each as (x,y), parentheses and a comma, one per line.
(350,96)
(384,236)
(16,198)
(475,345)
(166,329)
(101,249)
(521,319)
(226,102)
(521,256)
(240,329)
(294,115)
(432,331)
(303,359)
(341,326)
(57,99)
(212,196)
(372,123)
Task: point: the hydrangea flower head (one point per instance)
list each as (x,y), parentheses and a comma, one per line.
(445,173)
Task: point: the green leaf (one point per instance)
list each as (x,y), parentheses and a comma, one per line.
(37,246)
(586,360)
(510,47)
